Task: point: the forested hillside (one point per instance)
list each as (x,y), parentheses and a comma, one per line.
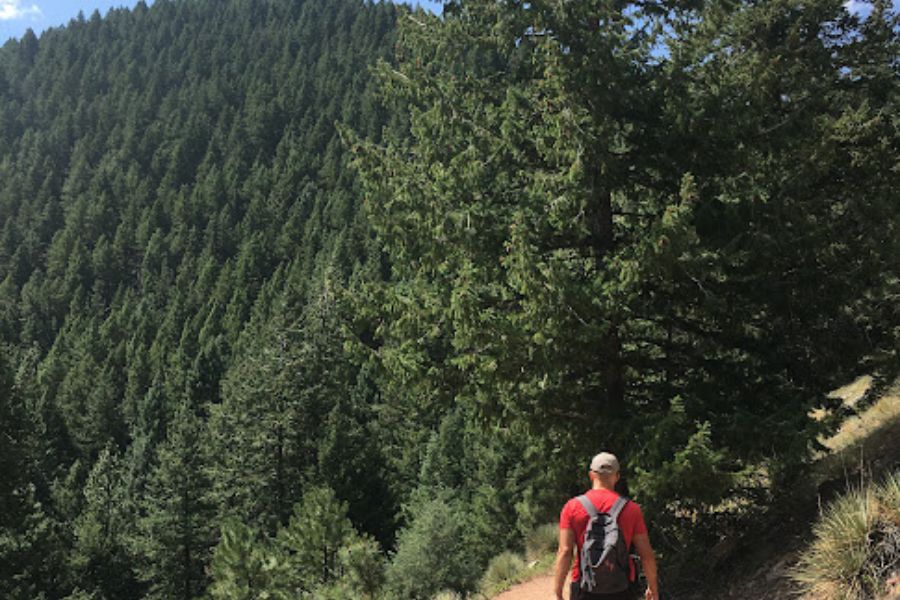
(177,222)
(323,298)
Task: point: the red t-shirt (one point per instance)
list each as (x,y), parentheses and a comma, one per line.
(574,517)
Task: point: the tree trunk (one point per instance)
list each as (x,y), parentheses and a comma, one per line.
(600,204)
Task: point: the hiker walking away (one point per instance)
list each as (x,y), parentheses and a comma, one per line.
(602,527)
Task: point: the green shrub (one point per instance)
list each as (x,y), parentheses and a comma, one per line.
(503,570)
(447,595)
(307,548)
(688,471)
(240,565)
(541,541)
(363,566)
(431,552)
(80,594)
(856,545)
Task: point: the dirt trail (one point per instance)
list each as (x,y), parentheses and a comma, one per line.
(539,588)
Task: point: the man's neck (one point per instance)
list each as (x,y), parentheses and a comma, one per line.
(599,486)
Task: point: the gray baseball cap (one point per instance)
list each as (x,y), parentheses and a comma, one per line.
(605,463)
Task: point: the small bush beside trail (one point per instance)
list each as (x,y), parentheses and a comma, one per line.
(447,595)
(504,570)
(541,541)
(856,546)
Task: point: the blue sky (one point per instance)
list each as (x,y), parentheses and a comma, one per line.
(16,16)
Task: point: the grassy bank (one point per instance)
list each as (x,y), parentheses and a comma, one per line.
(856,546)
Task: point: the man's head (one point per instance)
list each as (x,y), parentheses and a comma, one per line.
(604,470)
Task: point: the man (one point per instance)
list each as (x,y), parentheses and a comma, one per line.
(604,474)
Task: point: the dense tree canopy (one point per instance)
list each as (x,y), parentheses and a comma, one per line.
(278,322)
(667,229)
(175,210)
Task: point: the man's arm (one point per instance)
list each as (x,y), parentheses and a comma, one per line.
(641,543)
(563,560)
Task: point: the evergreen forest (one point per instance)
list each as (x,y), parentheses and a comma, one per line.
(336,299)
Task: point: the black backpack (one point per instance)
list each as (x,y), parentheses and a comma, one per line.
(604,556)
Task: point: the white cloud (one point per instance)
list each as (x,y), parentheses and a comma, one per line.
(14,9)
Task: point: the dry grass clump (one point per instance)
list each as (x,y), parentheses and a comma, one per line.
(856,546)
(541,541)
(504,569)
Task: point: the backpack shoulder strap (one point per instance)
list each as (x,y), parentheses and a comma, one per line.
(616,509)
(588,506)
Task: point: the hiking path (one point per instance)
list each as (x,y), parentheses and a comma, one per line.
(539,588)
